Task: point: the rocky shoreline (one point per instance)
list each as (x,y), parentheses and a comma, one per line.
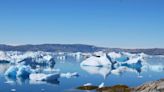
(154,86)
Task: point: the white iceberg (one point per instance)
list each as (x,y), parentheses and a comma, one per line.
(97,61)
(44,77)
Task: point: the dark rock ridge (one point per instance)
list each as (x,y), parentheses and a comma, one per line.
(76,48)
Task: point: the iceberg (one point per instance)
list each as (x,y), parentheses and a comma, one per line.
(41,77)
(97,61)
(18,71)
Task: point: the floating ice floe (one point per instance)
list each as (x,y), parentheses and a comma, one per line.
(69,75)
(87,84)
(41,77)
(97,61)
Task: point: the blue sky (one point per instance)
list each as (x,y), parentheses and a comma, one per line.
(108,23)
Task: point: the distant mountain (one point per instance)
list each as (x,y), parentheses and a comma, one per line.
(52,48)
(76,48)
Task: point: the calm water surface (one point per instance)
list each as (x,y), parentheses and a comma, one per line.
(95,75)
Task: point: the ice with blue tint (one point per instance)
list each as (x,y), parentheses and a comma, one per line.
(12,72)
(18,71)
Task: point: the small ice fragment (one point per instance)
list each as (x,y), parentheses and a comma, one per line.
(69,75)
(87,84)
(101,85)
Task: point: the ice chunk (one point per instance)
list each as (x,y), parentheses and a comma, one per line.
(44,77)
(103,60)
(24,71)
(101,85)
(18,71)
(69,75)
(37,77)
(87,84)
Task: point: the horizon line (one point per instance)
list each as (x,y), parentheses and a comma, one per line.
(84,44)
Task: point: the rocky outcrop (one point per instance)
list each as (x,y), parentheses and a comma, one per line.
(155,86)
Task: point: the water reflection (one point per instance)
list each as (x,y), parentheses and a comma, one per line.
(103,71)
(116,74)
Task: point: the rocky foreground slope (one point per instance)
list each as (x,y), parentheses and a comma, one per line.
(155,86)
